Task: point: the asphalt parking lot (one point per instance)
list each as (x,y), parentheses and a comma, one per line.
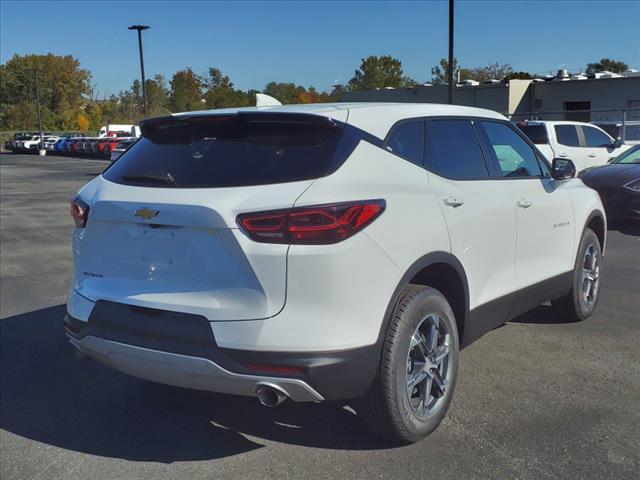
(537,398)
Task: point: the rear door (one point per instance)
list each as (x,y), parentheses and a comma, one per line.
(598,146)
(543,207)
(478,211)
(162,229)
(568,145)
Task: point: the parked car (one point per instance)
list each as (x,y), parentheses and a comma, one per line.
(618,184)
(326,252)
(48,143)
(29,144)
(121,147)
(585,144)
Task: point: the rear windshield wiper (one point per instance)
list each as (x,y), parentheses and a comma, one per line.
(165,178)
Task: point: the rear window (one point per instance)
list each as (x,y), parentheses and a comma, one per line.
(536,133)
(230,150)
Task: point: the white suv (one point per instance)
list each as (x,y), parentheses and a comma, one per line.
(585,144)
(324,252)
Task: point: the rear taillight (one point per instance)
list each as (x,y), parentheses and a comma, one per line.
(79,211)
(315,225)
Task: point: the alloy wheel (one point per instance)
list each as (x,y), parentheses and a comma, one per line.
(428,366)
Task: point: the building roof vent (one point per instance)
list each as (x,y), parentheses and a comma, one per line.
(562,73)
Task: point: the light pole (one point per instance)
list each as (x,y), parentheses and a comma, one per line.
(140,28)
(451,57)
(35,86)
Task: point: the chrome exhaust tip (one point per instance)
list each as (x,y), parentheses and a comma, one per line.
(270,396)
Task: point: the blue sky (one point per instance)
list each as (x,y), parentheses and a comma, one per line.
(317,43)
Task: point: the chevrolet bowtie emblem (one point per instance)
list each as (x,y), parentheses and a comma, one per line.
(146,213)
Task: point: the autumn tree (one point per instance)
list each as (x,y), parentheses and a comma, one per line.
(186,91)
(379,72)
(607,64)
(61,86)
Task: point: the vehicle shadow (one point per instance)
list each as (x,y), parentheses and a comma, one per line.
(544,314)
(50,396)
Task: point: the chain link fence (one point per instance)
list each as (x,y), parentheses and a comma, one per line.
(621,123)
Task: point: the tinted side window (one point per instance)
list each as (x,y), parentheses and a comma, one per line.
(567,135)
(453,150)
(515,157)
(407,140)
(536,133)
(595,138)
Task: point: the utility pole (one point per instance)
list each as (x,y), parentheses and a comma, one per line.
(35,86)
(140,28)
(451,57)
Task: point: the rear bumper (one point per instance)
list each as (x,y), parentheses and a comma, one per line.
(186,371)
(180,349)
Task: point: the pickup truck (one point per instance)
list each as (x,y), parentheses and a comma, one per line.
(584,144)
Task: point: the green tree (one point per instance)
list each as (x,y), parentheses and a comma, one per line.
(518,76)
(220,92)
(62,83)
(607,64)
(186,91)
(157,96)
(379,72)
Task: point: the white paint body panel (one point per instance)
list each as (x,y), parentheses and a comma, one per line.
(317,298)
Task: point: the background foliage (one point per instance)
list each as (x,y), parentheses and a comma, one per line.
(69,101)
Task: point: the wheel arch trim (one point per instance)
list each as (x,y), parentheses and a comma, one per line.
(432,258)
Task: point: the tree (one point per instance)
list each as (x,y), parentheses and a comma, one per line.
(379,72)
(186,91)
(489,72)
(285,93)
(518,76)
(157,96)
(439,72)
(607,64)
(221,93)
(61,86)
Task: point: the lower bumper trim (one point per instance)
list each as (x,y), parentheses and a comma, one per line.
(186,371)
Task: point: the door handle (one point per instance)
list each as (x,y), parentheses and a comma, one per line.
(453,202)
(563,155)
(591,155)
(524,203)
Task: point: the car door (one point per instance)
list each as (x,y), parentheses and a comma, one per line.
(544,213)
(567,140)
(479,214)
(598,146)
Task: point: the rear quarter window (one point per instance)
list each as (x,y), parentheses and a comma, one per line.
(536,133)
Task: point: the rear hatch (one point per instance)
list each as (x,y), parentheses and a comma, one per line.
(162,229)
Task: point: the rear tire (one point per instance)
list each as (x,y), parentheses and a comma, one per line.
(580,303)
(418,369)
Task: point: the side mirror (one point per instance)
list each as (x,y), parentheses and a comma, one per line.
(562,168)
(617,143)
